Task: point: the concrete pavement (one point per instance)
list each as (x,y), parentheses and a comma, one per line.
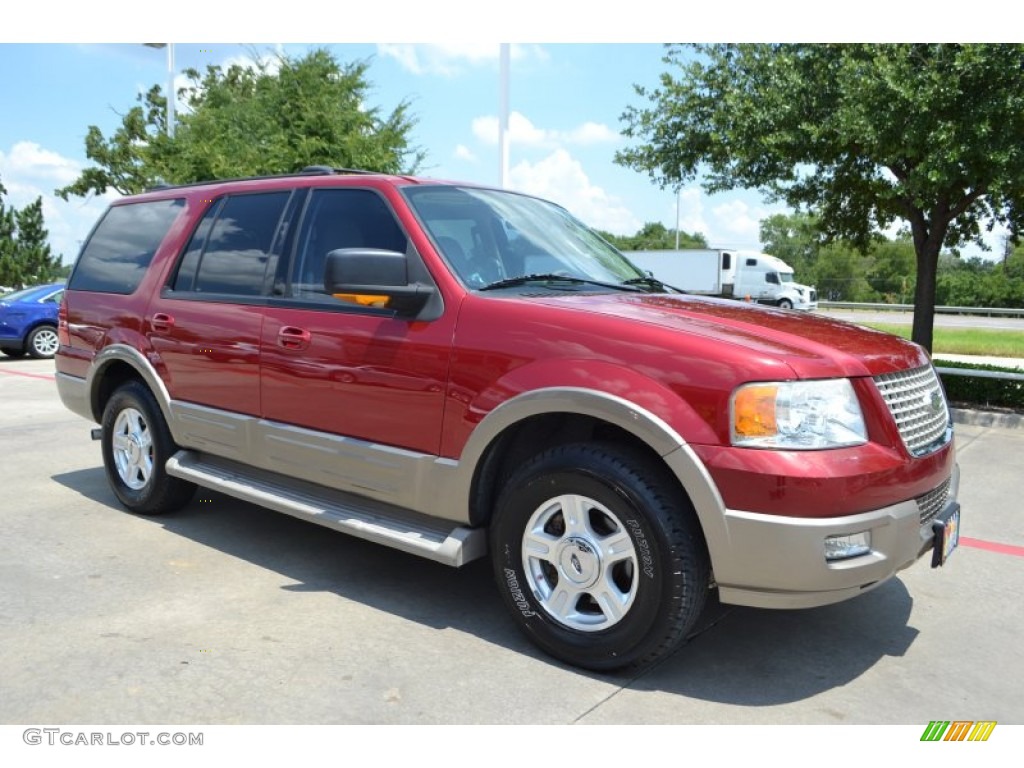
(229,613)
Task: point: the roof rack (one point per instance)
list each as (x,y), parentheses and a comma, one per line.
(329,171)
(309,170)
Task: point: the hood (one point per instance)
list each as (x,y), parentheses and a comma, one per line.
(811,345)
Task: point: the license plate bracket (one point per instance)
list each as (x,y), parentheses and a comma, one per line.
(947,535)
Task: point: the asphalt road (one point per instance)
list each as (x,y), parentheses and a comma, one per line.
(229,613)
(941,321)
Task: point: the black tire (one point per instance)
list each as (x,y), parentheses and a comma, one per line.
(785,304)
(136,444)
(12,351)
(42,342)
(660,577)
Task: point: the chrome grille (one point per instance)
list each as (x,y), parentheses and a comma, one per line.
(918,404)
(930,503)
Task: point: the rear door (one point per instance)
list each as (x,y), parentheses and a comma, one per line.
(205,324)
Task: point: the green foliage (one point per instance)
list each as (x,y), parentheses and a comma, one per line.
(979,283)
(891,271)
(654,236)
(976,390)
(796,239)
(839,273)
(25,256)
(860,134)
(275,117)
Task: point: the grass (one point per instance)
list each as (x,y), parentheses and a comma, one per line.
(966,341)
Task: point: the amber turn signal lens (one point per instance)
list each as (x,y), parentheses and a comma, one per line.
(363,299)
(754,412)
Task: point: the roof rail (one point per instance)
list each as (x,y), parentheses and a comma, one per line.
(328,170)
(309,170)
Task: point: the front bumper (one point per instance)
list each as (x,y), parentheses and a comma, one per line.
(779,562)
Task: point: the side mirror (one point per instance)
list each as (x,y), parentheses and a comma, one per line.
(372,277)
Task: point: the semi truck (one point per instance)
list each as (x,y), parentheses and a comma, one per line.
(747,275)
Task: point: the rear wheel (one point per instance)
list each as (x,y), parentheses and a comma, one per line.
(136,445)
(599,556)
(42,343)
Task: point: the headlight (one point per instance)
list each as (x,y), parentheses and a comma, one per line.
(797,415)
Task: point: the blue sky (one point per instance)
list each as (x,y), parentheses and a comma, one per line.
(566,98)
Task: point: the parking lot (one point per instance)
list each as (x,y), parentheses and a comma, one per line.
(229,613)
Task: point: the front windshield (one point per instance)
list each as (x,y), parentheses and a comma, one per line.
(786,277)
(489,235)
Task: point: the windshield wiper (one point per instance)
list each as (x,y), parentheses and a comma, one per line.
(653,283)
(511,282)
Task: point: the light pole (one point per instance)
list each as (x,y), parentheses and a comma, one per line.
(170,83)
(679,194)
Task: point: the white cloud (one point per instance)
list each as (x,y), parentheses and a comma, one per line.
(736,224)
(30,171)
(560,178)
(462,152)
(450,58)
(29,159)
(591,133)
(524,133)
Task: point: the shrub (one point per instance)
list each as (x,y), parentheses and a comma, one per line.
(983,391)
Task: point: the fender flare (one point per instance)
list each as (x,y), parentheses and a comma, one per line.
(646,426)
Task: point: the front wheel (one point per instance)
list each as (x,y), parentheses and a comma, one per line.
(136,444)
(785,304)
(599,556)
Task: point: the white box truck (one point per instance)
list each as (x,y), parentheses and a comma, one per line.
(733,274)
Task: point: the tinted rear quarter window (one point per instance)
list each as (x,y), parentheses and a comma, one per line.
(122,246)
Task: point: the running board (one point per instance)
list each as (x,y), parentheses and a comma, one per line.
(412,532)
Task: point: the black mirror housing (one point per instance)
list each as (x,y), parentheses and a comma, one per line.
(381,276)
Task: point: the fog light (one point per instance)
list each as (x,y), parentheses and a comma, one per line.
(847,546)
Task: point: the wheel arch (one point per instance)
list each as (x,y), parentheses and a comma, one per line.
(547,417)
(117,364)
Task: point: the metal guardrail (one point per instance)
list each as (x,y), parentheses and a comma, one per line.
(942,310)
(1005,376)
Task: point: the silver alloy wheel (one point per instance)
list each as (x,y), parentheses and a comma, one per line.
(45,342)
(133,448)
(580,563)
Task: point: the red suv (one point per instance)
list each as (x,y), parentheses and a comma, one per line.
(455,371)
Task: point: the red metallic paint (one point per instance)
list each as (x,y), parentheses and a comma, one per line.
(426,385)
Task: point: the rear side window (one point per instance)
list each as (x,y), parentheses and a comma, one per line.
(235,258)
(122,246)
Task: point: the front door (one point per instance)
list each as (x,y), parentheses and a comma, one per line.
(333,367)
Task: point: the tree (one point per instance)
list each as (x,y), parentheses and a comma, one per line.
(25,256)
(655,236)
(272,117)
(862,135)
(37,261)
(8,247)
(891,274)
(795,238)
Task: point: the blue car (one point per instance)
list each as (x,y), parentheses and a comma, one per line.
(28,321)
